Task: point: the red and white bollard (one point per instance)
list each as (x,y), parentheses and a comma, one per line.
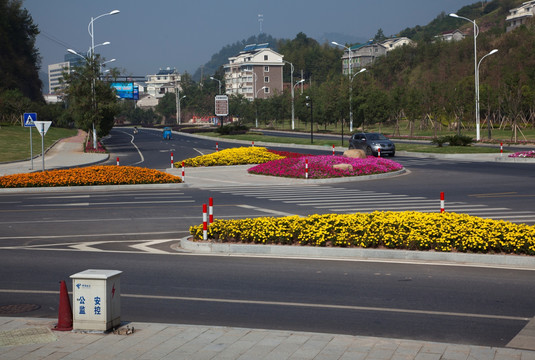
(210,210)
(378,152)
(172,160)
(306,168)
(204,223)
(333,150)
(216,146)
(183,173)
(442,202)
(252,143)
(117,161)
(501,149)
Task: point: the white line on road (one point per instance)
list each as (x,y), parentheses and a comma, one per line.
(269,211)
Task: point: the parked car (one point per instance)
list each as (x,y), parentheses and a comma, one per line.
(371,143)
(167,133)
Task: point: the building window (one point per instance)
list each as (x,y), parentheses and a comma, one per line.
(266,68)
(266,79)
(265,57)
(266,90)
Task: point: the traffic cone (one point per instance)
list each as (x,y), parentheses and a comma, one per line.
(65,310)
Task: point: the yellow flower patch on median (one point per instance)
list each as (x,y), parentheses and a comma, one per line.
(396,230)
(92,175)
(234,156)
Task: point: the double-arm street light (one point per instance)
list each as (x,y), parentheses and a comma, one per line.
(478,113)
(219,81)
(90,30)
(350,65)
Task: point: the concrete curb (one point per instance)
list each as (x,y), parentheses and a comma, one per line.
(360,254)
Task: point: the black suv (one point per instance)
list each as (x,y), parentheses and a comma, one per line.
(371,143)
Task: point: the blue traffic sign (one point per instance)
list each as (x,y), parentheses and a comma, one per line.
(29,119)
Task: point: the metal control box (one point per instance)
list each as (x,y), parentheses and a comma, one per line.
(96,299)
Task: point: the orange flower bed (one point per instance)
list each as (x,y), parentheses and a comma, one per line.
(92,175)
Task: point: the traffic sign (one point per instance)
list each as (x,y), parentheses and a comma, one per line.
(29,119)
(42,126)
(221,105)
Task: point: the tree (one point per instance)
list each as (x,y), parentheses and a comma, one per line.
(380,36)
(91,102)
(19,59)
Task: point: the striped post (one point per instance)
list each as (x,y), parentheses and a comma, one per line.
(252,143)
(183,173)
(216,146)
(172,160)
(117,161)
(333,150)
(306,168)
(379,152)
(442,202)
(501,149)
(210,210)
(204,223)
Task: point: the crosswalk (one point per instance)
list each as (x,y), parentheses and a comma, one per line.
(328,199)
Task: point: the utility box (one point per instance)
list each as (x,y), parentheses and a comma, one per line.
(96,299)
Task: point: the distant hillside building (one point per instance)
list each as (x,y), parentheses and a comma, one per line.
(166,80)
(364,54)
(256,72)
(452,35)
(519,15)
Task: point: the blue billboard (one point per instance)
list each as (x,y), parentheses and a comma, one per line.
(126,90)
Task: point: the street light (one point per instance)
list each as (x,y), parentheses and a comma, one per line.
(293,106)
(219,81)
(476,74)
(106,62)
(291,82)
(350,87)
(90,30)
(256,107)
(478,115)
(178,108)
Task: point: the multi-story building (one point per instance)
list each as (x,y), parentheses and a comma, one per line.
(452,35)
(256,72)
(364,54)
(166,80)
(519,15)
(55,73)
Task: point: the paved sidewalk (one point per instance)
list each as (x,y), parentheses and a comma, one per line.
(31,338)
(63,154)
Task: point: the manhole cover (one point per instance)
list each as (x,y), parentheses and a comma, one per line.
(18,308)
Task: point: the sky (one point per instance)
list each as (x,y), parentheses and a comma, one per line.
(184,34)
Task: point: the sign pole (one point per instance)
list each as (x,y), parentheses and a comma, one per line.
(43,144)
(31,148)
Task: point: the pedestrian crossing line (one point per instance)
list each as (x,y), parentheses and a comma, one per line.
(345,198)
(353,202)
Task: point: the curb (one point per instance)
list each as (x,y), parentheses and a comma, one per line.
(360,254)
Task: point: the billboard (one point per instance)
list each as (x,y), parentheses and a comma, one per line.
(126,90)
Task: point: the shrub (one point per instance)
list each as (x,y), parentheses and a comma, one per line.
(455,140)
(232,129)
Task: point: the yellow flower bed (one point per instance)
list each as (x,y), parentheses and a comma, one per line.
(397,230)
(92,175)
(234,156)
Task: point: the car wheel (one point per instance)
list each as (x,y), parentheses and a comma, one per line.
(369,151)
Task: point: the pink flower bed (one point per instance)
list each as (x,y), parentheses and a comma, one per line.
(524,154)
(321,167)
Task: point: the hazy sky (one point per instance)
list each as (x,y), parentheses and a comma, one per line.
(148,35)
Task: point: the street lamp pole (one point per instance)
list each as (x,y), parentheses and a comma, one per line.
(219,81)
(291,82)
(256,105)
(91,32)
(350,87)
(476,75)
(478,114)
(293,101)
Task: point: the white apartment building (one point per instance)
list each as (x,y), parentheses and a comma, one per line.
(519,15)
(256,72)
(166,80)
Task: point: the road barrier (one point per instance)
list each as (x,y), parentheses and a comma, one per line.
(172,160)
(210,210)
(204,223)
(442,202)
(306,168)
(117,161)
(216,147)
(183,173)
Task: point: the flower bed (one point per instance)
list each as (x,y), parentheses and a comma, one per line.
(321,167)
(92,175)
(234,156)
(524,154)
(443,232)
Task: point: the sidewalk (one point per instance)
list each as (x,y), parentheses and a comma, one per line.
(63,154)
(31,338)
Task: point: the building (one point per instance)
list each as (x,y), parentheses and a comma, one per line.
(166,80)
(518,16)
(452,35)
(55,72)
(256,72)
(364,54)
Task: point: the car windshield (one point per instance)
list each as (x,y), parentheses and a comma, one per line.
(376,137)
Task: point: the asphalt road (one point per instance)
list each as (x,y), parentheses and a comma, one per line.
(45,237)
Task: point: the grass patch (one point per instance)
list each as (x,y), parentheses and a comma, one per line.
(15,141)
